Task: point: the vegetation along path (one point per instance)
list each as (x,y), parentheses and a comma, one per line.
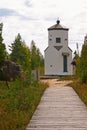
(60,109)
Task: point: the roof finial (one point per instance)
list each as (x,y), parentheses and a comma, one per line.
(58,21)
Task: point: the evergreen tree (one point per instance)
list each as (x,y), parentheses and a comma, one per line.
(2,45)
(82,64)
(15,49)
(36,57)
(33,55)
(20,53)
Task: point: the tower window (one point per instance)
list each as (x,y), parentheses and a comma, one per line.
(66,39)
(50,39)
(58,40)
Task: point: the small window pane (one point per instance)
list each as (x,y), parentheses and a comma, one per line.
(50,39)
(58,40)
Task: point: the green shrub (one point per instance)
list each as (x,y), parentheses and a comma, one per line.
(81,90)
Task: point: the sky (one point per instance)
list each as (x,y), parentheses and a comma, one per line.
(32,18)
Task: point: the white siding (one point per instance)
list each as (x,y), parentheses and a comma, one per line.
(54,62)
(53,34)
(51,63)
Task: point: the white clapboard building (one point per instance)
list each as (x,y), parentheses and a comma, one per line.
(58,56)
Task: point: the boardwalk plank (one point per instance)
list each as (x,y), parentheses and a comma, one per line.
(60,109)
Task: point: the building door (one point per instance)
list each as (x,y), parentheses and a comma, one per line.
(65,63)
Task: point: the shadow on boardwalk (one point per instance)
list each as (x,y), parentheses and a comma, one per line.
(60,109)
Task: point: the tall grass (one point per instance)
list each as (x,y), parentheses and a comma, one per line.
(18,103)
(79,87)
(81,90)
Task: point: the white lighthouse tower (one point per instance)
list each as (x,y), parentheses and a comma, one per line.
(58,56)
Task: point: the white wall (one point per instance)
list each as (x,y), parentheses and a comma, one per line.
(52,34)
(51,63)
(54,61)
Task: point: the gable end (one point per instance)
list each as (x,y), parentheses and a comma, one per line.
(57,47)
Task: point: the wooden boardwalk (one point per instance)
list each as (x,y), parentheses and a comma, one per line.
(60,109)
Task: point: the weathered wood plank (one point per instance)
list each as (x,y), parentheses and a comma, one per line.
(60,109)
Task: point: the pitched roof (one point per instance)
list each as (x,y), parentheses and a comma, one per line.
(58,26)
(58,47)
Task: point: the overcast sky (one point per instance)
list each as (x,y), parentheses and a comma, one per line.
(31,18)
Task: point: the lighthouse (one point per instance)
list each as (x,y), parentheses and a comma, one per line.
(58,55)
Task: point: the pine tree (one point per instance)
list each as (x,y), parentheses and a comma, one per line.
(2,45)
(20,53)
(36,57)
(15,49)
(82,66)
(33,55)
(37,60)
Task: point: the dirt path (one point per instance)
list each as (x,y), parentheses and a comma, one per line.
(56,82)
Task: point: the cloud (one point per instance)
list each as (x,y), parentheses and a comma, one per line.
(31,19)
(4,12)
(28,3)
(7,12)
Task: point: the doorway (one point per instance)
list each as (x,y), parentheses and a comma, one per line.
(64,63)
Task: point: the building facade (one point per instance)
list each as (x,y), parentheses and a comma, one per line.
(58,56)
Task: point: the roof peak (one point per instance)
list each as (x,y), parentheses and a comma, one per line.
(58,21)
(58,26)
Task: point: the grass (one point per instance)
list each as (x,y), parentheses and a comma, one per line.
(81,90)
(70,77)
(18,103)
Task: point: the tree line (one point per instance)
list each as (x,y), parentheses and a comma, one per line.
(29,58)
